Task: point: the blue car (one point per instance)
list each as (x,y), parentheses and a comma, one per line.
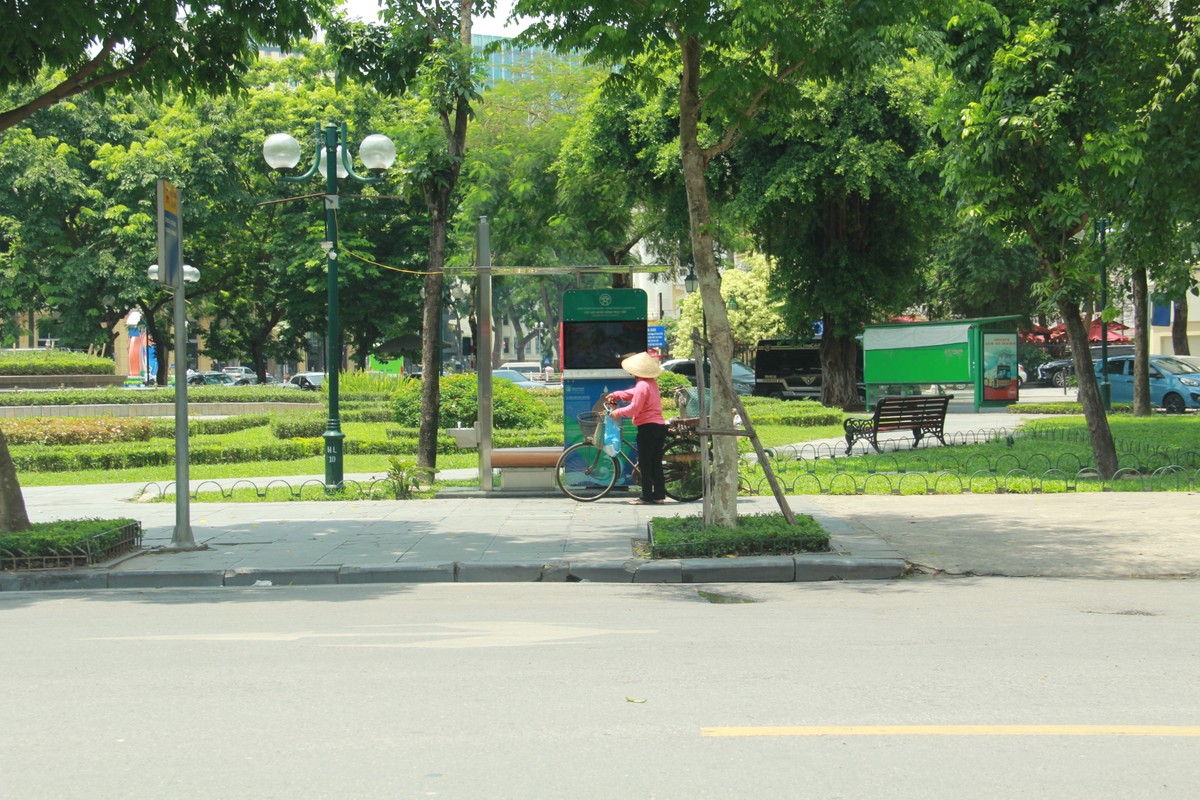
(1174,383)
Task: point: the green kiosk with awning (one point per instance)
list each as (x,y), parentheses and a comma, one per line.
(906,358)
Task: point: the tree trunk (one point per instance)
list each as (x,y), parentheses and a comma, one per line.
(839,370)
(437,200)
(431,342)
(723,493)
(1179,328)
(12,503)
(1141,344)
(1103,449)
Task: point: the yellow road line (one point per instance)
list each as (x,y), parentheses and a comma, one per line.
(957,730)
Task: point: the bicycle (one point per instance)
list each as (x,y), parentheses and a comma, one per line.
(585,472)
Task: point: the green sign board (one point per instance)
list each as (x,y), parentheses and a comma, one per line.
(588,305)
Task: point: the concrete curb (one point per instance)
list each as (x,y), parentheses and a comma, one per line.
(755,569)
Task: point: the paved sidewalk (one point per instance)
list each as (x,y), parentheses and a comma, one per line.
(552,538)
(464,538)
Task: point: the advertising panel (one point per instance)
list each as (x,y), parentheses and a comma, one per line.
(1000,366)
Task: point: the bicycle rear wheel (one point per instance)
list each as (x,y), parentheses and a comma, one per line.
(681,468)
(585,472)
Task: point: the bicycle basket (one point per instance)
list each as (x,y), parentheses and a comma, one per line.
(591,425)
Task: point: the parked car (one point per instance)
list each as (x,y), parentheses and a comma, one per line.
(1059,371)
(252,380)
(519,379)
(310,381)
(210,379)
(1174,383)
(743,376)
(237,372)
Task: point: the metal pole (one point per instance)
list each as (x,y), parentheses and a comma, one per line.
(1105,385)
(334,438)
(182,537)
(484,350)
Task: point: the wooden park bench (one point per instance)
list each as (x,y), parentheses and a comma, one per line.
(920,414)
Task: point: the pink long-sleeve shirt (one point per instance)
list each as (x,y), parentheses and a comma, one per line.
(645,402)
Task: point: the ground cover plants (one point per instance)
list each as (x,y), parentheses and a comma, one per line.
(755,535)
(1159,453)
(68,543)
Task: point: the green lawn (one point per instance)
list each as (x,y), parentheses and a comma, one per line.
(1048,461)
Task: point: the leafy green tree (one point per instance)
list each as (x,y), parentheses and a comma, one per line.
(66,251)
(1159,232)
(1044,135)
(424,45)
(753,314)
(732,60)
(519,131)
(974,273)
(130,45)
(831,195)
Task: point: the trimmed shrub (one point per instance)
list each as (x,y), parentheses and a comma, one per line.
(302,425)
(76,430)
(54,362)
(512,407)
(369,413)
(668,382)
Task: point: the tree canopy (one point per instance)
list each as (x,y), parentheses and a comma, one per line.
(151,45)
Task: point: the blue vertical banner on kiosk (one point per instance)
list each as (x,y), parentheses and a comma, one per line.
(600,327)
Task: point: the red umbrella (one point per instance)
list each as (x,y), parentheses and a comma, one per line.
(1114,331)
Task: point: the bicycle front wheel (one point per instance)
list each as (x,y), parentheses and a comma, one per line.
(585,472)
(681,468)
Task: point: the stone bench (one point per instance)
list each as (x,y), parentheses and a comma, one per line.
(526,467)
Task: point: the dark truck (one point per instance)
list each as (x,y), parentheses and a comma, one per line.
(788,370)
(791,370)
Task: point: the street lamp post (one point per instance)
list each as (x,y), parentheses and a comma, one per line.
(282,152)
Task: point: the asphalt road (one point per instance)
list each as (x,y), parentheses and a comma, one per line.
(602,691)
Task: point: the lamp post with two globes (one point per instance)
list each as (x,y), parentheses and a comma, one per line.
(282,152)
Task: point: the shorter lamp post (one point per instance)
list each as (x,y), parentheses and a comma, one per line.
(182,538)
(282,152)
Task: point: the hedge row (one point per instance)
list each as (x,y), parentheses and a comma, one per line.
(54,362)
(77,430)
(196,394)
(164,427)
(535,437)
(825,416)
(1067,407)
(107,430)
(154,454)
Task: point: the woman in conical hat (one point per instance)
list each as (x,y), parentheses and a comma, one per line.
(645,408)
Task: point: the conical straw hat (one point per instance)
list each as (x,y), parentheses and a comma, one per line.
(642,365)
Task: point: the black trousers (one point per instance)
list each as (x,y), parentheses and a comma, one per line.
(651,439)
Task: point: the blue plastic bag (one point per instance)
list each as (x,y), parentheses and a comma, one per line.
(612,435)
